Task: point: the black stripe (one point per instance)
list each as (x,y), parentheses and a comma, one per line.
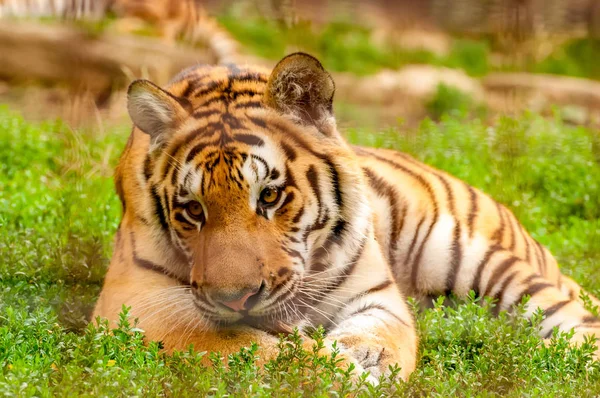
(498,272)
(232,121)
(473,210)
(205,113)
(379,287)
(538,256)
(149,265)
(290,153)
(298,216)
(205,89)
(274,174)
(513,234)
(526,240)
(414,239)
(498,236)
(179,217)
(500,294)
(484,261)
(383,285)
(530,278)
(249,139)
(531,290)
(380,308)
(549,333)
(279,286)
(544,259)
(288,198)
(290,291)
(258,121)
(147,168)
(248,76)
(339,228)
(335,182)
(293,253)
(313,180)
(291,133)
(159,210)
(589,319)
(249,104)
(548,312)
(189,137)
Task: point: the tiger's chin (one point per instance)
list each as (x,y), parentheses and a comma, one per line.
(269,323)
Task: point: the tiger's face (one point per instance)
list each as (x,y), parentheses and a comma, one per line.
(249,181)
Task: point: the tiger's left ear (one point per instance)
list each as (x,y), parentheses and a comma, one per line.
(301,87)
(155,111)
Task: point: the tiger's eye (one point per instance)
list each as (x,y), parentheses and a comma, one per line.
(194,210)
(269,196)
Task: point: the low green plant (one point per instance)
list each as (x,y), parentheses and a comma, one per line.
(578,57)
(453,101)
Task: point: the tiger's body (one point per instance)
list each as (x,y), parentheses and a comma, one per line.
(246,214)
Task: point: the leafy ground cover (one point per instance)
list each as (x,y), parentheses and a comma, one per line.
(58,214)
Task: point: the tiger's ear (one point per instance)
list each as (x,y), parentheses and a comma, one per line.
(301,87)
(155,111)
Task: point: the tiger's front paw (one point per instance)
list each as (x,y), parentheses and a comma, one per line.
(373,355)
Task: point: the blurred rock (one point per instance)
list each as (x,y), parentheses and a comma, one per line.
(91,62)
(415,82)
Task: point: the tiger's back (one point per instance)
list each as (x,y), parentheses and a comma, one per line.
(439,230)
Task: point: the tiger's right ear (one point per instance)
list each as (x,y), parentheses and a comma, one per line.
(155,111)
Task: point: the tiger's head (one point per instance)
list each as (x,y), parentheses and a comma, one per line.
(239,184)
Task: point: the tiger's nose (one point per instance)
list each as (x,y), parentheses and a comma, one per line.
(241,301)
(240,304)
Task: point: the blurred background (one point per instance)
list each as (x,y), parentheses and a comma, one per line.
(393,61)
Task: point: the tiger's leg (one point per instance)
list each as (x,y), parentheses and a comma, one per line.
(507,278)
(373,337)
(375,329)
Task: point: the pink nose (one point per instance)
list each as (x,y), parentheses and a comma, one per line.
(239,305)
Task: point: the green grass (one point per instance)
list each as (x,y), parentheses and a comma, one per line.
(577,57)
(345,47)
(58,214)
(450,100)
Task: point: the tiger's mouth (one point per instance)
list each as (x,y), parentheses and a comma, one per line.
(273,313)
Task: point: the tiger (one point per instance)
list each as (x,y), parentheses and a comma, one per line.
(245,214)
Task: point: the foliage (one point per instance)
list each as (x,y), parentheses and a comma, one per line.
(58,214)
(450,100)
(348,47)
(576,58)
